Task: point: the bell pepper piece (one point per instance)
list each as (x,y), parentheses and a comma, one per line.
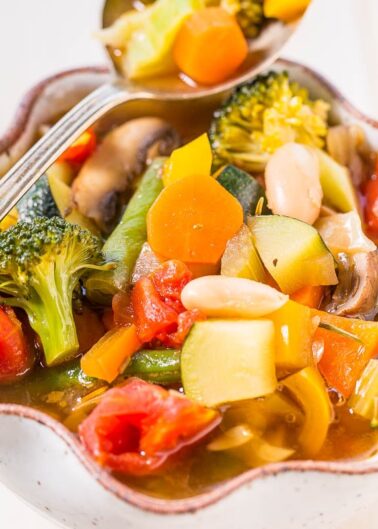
(81,149)
(193,158)
(294,334)
(308,389)
(10,220)
(344,358)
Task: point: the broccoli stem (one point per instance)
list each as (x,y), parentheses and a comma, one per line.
(54,322)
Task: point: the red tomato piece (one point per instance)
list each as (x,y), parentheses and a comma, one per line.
(136,427)
(371,207)
(153,318)
(185,321)
(158,311)
(15,356)
(81,149)
(169,280)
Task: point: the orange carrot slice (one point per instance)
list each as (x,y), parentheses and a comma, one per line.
(310,296)
(107,358)
(210,46)
(192,220)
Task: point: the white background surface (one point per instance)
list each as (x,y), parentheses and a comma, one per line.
(39,37)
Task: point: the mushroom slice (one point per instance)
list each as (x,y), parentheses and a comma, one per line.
(122,155)
(357,291)
(347,144)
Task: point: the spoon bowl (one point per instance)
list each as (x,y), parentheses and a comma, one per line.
(263,50)
(174,88)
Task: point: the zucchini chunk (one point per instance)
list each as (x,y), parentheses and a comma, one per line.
(244,187)
(293,252)
(229,360)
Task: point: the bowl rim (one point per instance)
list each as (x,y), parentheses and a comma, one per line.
(103,477)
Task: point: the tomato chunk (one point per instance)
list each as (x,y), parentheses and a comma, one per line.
(15,356)
(153,317)
(158,312)
(169,279)
(136,427)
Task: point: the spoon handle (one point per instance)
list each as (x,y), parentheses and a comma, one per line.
(44,153)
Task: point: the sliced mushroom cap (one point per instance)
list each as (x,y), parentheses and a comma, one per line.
(357,291)
(348,146)
(121,156)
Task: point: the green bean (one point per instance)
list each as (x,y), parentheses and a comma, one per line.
(158,366)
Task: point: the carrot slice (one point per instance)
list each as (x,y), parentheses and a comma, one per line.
(192,220)
(210,46)
(345,358)
(111,353)
(310,296)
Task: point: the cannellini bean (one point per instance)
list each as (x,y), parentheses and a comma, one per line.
(232,297)
(292,178)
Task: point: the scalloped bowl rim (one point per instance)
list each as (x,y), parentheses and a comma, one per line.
(103,477)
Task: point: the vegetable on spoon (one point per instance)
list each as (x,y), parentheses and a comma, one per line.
(147,37)
(210,46)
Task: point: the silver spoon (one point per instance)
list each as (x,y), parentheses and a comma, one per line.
(263,51)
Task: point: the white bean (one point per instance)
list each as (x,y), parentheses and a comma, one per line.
(232,297)
(292,178)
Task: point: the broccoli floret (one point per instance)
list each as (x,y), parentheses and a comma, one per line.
(38,202)
(262,115)
(249,14)
(41,264)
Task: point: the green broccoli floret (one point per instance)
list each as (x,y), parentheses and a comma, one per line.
(41,263)
(262,115)
(38,202)
(249,14)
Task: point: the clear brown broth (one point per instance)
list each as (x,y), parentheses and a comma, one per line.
(196,470)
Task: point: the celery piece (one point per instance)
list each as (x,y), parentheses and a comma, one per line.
(364,400)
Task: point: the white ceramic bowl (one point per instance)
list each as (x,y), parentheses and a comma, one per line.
(45,464)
